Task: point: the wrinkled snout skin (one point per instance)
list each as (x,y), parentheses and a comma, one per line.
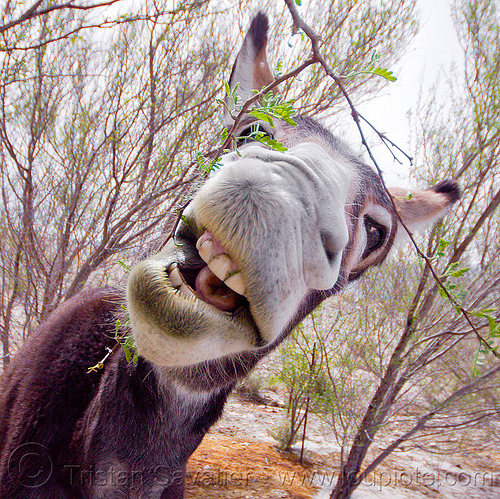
(273,212)
(281,218)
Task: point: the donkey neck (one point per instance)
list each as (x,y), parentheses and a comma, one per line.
(207,378)
(137,407)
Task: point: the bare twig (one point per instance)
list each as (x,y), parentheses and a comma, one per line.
(69,34)
(388,143)
(34,11)
(421,423)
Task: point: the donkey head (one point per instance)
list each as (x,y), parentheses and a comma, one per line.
(267,237)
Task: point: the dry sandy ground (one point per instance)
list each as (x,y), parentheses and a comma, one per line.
(238,459)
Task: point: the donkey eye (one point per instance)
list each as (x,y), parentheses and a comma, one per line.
(375,235)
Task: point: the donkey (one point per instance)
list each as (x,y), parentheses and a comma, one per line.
(265,239)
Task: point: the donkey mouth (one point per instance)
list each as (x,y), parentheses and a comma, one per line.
(204,285)
(218,282)
(182,310)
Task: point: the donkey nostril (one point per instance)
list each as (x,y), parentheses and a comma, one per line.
(329,256)
(329,246)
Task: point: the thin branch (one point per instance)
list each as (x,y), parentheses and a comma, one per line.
(104,24)
(388,142)
(421,424)
(32,12)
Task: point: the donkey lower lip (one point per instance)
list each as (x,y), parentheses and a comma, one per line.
(175,329)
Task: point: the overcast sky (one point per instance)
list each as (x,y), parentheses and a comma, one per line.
(435,47)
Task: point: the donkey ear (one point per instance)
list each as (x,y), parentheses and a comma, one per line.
(251,70)
(420,209)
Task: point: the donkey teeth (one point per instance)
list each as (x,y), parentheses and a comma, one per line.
(175,277)
(235,282)
(199,243)
(178,282)
(187,291)
(205,250)
(221,266)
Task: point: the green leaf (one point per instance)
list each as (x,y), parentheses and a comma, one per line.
(273,106)
(384,73)
(453,271)
(124,265)
(262,115)
(462,295)
(461,272)
(128,354)
(442,246)
(223,135)
(207,166)
(451,268)
(493,326)
(285,114)
(95,368)
(215,164)
(485,314)
(130,350)
(268,141)
(278,69)
(298,2)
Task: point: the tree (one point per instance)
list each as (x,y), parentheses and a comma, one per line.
(99,135)
(88,150)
